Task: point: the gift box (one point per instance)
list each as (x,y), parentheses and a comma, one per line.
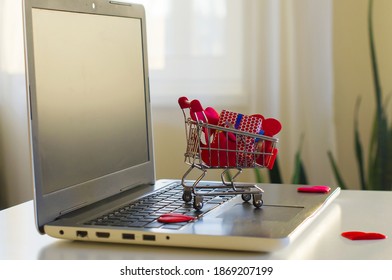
(242,147)
(241,122)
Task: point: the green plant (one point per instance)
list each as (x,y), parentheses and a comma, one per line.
(379,161)
(299,174)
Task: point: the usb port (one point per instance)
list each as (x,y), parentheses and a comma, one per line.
(81,233)
(129,236)
(103,234)
(149,237)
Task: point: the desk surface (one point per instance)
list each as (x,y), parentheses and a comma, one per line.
(352,210)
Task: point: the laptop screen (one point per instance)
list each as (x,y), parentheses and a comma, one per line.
(89,85)
(88,92)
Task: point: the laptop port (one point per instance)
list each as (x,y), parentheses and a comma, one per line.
(102,234)
(149,237)
(129,236)
(81,233)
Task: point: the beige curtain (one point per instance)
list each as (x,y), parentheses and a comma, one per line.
(291,78)
(15,172)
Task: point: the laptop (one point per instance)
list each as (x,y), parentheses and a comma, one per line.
(92,144)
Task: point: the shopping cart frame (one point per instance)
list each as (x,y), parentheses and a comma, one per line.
(199,138)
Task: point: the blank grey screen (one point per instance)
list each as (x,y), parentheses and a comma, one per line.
(90,97)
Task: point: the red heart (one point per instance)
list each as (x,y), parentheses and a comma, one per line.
(175,218)
(221,152)
(271,127)
(212,115)
(314,189)
(360,235)
(184,102)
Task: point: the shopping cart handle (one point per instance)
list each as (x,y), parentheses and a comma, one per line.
(184,102)
(196,106)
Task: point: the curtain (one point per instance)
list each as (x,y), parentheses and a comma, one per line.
(15,170)
(291,78)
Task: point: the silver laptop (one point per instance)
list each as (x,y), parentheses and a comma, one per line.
(92,143)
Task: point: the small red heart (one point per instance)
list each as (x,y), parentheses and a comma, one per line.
(360,235)
(175,218)
(184,102)
(314,189)
(271,127)
(212,115)
(198,113)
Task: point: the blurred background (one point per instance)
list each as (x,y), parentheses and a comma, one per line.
(303,62)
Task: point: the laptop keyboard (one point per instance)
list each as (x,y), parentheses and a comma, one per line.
(145,211)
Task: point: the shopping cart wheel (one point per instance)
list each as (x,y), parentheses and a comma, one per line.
(187,196)
(246,197)
(257,201)
(198,202)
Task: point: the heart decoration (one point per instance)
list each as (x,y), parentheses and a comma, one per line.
(212,115)
(221,152)
(314,189)
(271,127)
(184,102)
(360,235)
(175,218)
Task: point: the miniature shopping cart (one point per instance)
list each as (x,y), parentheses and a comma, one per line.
(213,146)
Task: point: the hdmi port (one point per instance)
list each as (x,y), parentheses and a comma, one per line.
(103,234)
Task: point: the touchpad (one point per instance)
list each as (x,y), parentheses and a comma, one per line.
(272,221)
(265,213)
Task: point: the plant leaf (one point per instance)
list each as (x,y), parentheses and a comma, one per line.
(228,176)
(385,154)
(378,152)
(258,175)
(299,175)
(389,167)
(358,147)
(336,172)
(274,173)
(376,77)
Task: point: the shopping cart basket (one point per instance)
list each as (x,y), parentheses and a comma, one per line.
(211,146)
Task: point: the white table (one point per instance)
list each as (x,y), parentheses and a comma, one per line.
(368,211)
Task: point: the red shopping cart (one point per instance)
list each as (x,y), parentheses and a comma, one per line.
(211,145)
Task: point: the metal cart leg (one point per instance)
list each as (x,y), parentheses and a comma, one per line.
(231,183)
(190,189)
(257,201)
(187,194)
(198,202)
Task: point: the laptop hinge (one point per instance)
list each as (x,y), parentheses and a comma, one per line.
(131,186)
(73,208)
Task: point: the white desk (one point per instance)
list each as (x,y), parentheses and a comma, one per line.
(352,210)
